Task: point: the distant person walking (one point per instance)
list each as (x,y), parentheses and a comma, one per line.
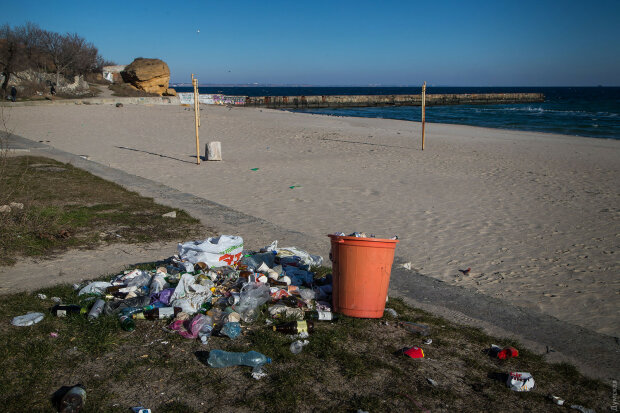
(13,93)
(52,90)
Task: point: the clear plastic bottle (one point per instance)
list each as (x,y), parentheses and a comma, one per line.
(221,358)
(205,333)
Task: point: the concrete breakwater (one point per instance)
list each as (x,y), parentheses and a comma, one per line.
(390,100)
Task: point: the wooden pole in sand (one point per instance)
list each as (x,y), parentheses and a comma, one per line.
(196,106)
(195,83)
(423,111)
(198,102)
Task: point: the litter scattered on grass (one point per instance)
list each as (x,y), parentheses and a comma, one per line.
(215,288)
(27,319)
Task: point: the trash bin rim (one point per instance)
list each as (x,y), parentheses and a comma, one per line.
(340,238)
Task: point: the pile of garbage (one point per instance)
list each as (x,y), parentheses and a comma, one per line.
(213,287)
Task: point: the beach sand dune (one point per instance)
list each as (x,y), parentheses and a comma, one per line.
(535,216)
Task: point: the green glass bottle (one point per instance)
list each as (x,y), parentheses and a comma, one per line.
(127,323)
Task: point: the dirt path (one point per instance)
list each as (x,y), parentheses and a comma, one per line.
(75,266)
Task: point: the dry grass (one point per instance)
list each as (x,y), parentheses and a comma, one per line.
(65,207)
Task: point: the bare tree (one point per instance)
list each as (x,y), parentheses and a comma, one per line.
(32,37)
(29,46)
(61,51)
(70,54)
(85,58)
(12,56)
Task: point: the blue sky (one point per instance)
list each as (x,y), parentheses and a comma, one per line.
(450,43)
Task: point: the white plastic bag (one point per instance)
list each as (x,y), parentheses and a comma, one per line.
(27,319)
(134,278)
(189,295)
(306,258)
(158,283)
(215,251)
(140,279)
(97,287)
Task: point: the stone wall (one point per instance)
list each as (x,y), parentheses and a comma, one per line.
(391,100)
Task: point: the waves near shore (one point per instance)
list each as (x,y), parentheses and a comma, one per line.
(579,111)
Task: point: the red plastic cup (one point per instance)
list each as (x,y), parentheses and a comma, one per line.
(415,352)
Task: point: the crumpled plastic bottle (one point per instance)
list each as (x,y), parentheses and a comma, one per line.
(252,296)
(298,345)
(231,329)
(205,333)
(220,358)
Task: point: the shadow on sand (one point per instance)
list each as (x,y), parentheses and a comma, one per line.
(152,153)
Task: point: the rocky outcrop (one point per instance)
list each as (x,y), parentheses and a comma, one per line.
(149,75)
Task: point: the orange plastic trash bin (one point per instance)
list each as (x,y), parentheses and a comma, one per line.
(361,269)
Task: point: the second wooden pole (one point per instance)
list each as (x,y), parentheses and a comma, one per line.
(423,111)
(196,119)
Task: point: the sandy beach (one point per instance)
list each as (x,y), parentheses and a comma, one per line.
(535,216)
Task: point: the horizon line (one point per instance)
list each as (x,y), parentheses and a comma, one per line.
(370,86)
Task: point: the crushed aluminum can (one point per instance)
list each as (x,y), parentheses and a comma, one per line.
(519,381)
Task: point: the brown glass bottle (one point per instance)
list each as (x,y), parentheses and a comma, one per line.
(295,327)
(275,283)
(289,301)
(114,291)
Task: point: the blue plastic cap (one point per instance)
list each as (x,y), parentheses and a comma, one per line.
(268,360)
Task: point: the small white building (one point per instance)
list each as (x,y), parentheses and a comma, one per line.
(113,73)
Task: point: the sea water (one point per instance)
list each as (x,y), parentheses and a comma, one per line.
(580,111)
